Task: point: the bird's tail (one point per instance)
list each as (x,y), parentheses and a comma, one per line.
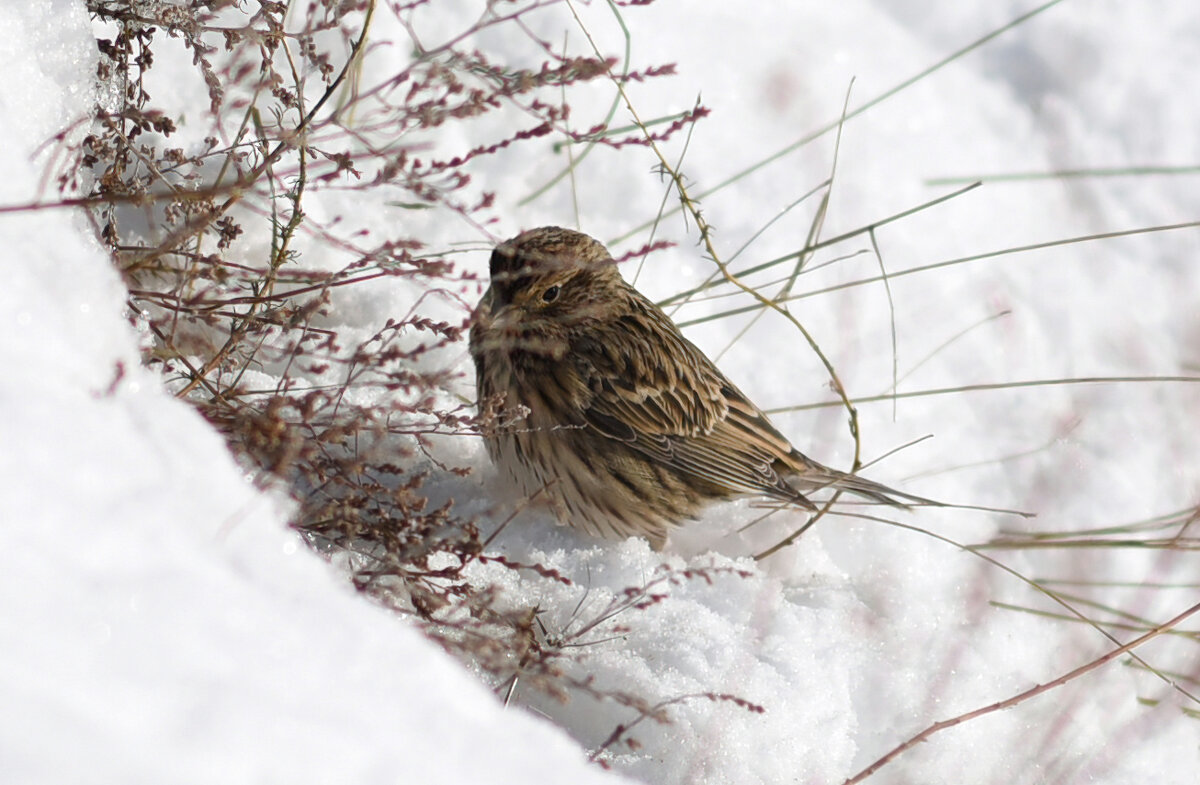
(814,477)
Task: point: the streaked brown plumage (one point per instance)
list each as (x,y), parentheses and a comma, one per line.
(628,427)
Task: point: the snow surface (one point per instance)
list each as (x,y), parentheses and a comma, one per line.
(214,647)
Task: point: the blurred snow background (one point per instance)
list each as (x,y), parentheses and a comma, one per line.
(214,646)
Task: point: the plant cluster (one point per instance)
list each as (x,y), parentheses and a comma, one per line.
(231,281)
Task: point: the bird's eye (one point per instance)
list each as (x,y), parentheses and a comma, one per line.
(550,295)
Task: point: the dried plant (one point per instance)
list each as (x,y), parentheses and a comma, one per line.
(231,281)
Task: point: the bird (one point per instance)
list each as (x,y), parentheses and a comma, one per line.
(589,396)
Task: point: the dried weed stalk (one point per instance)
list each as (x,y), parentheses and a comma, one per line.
(230,281)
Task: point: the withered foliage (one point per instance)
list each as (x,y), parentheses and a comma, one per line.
(231,284)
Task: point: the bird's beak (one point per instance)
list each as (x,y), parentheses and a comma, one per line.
(507,318)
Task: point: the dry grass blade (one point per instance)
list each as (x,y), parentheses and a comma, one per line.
(1021,697)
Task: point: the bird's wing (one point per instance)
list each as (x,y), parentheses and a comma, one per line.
(653,390)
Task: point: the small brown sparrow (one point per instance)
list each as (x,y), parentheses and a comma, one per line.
(590,393)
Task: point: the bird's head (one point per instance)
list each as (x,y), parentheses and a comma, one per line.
(547,283)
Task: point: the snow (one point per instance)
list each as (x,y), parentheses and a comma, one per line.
(213,646)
